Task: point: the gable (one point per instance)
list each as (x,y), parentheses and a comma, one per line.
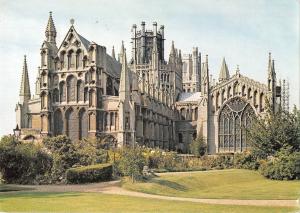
(74,40)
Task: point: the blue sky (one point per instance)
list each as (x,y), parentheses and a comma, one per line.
(242,31)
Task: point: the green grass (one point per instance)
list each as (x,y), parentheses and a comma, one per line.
(97,202)
(223,184)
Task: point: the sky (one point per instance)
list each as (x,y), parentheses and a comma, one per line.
(242,31)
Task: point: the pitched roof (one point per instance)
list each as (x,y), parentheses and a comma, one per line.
(113,67)
(189,97)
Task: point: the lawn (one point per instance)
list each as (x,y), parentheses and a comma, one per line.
(223,184)
(97,202)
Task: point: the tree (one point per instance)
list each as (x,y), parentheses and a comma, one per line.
(275,131)
(131,162)
(198,146)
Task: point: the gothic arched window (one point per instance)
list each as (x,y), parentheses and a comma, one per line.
(71,88)
(84,61)
(71,59)
(109,86)
(83,124)
(78,58)
(80,90)
(183,113)
(261,102)
(196,113)
(55,95)
(86,95)
(235,117)
(71,123)
(180,138)
(58,123)
(235,89)
(62,91)
(44,102)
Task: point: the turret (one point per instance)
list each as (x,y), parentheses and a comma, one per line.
(180,57)
(162,32)
(50,30)
(172,56)
(224,73)
(154,56)
(205,77)
(133,38)
(113,52)
(195,62)
(143,43)
(271,82)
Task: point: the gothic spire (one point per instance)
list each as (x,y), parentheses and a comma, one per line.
(124,90)
(224,73)
(113,52)
(50,30)
(25,86)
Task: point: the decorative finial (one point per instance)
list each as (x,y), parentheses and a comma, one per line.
(237,69)
(72,21)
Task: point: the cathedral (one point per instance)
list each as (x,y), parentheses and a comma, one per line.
(83,92)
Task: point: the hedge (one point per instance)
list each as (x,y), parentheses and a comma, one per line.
(89,174)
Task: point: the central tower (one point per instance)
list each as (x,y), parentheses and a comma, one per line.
(143,42)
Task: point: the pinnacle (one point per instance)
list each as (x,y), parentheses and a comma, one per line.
(113,52)
(50,26)
(224,72)
(25,87)
(50,29)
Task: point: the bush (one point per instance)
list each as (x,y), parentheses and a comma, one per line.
(91,151)
(130,163)
(282,167)
(22,162)
(64,156)
(217,162)
(198,146)
(89,174)
(159,159)
(245,160)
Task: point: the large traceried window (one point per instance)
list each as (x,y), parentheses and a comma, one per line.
(235,117)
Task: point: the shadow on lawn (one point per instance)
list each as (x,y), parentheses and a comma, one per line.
(12,188)
(170,184)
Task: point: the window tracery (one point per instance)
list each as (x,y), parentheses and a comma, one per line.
(235,117)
